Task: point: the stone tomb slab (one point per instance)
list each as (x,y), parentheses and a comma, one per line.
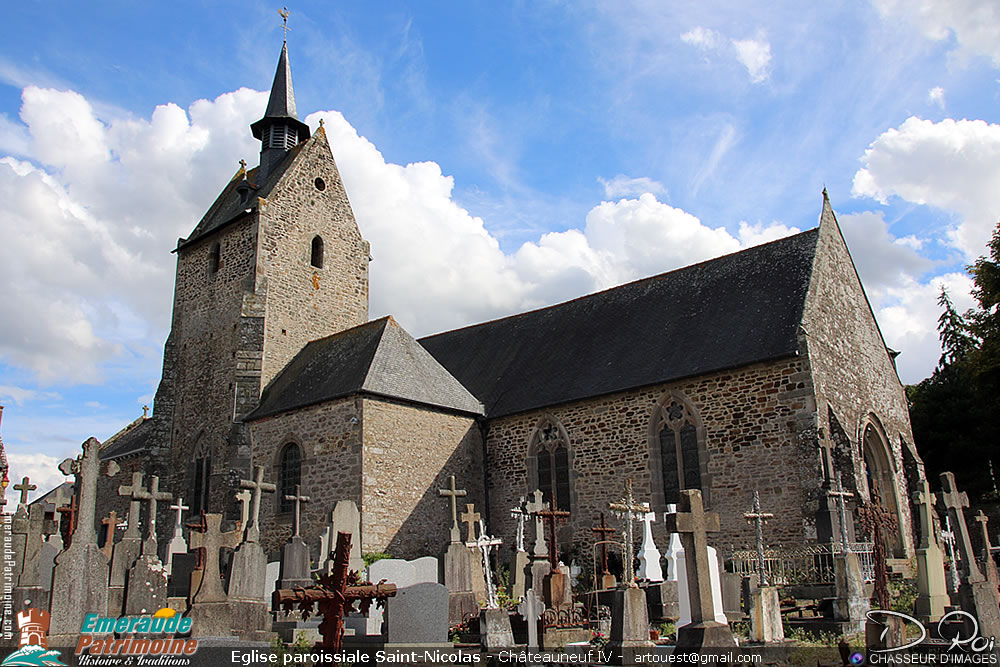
(418,616)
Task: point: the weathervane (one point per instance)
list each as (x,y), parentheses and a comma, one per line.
(283,13)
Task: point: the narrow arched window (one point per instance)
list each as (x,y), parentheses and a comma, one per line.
(214,257)
(549,465)
(289,476)
(678,451)
(317,252)
(202,475)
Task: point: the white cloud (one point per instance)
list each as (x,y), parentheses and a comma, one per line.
(93,214)
(755,234)
(952,165)
(623,186)
(21,394)
(42,469)
(703,38)
(973,24)
(752,53)
(936,96)
(755,54)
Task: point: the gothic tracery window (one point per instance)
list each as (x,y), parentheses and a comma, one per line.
(676,436)
(549,465)
(289,475)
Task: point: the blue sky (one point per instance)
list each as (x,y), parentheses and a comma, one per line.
(498,157)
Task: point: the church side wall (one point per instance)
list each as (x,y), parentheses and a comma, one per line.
(304,302)
(853,374)
(330,442)
(759,423)
(409,453)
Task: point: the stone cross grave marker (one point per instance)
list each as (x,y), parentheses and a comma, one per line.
(758,518)
(470,517)
(841,495)
(533,507)
(649,555)
(531,609)
(602,533)
(110,523)
(243,498)
(485,543)
(956,501)
(453,494)
(520,515)
(948,535)
(178,545)
(983,520)
(694,523)
(212,540)
(298,499)
(257,486)
(932,593)
(629,510)
(80,575)
(551,516)
(152,498)
(132,492)
(24,487)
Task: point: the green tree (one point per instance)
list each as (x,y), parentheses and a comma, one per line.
(954,411)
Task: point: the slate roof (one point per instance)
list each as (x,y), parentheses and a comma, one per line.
(227,207)
(132,439)
(723,313)
(378,358)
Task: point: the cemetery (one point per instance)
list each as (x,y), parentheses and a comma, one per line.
(470,596)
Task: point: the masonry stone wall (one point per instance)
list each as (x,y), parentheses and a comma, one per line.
(303,302)
(109,500)
(855,379)
(759,432)
(329,437)
(409,454)
(206,334)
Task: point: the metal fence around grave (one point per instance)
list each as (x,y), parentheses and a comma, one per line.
(810,564)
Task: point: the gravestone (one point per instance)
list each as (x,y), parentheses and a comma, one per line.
(470,517)
(109,525)
(977,595)
(765,607)
(345,518)
(693,524)
(602,532)
(649,555)
(948,537)
(986,558)
(295,571)
(539,566)
(852,604)
(462,601)
(248,574)
(146,586)
(629,623)
(676,561)
(29,584)
(519,561)
(531,609)
(556,587)
(127,549)
(80,575)
(628,510)
(177,545)
(210,610)
(396,571)
(932,593)
(418,617)
(19,537)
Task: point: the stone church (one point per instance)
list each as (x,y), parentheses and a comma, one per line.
(760,370)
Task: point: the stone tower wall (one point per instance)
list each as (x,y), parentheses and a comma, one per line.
(303,302)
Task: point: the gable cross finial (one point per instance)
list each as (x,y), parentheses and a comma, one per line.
(283,13)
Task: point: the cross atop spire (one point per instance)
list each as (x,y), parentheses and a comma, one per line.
(283,13)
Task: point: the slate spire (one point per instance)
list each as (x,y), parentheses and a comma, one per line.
(280,129)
